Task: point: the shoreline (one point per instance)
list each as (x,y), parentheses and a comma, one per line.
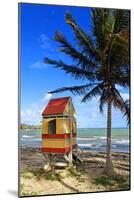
(94,141)
(82,177)
(83,150)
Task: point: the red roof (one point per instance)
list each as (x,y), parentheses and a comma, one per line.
(56,106)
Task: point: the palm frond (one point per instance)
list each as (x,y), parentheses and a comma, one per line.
(103,100)
(77,56)
(122,19)
(101,26)
(76,72)
(117,99)
(79,90)
(120,53)
(122,105)
(83,39)
(96,91)
(121,75)
(127,111)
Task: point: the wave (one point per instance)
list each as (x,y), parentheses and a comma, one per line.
(92,138)
(87,145)
(30,136)
(27,136)
(103,137)
(122,141)
(96,145)
(86,138)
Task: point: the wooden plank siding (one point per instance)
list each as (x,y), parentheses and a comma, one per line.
(66,111)
(59,126)
(53,143)
(45,125)
(57,143)
(62,125)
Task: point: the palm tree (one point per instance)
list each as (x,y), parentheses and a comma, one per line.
(102,59)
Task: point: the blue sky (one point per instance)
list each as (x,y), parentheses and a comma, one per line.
(38,24)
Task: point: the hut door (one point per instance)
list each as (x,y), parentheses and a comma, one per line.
(52,127)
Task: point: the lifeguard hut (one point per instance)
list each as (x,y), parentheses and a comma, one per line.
(59,128)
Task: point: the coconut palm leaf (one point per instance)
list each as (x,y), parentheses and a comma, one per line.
(119,103)
(76,72)
(78,57)
(79,90)
(120,51)
(103,100)
(96,91)
(101,27)
(84,40)
(122,19)
(117,99)
(127,111)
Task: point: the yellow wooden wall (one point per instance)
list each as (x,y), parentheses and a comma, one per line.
(66,125)
(66,111)
(74,126)
(53,143)
(45,125)
(59,126)
(57,143)
(62,125)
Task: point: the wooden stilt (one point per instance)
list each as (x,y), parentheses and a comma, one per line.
(70,125)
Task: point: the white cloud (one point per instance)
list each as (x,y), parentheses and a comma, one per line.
(48,96)
(118,87)
(32,115)
(38,65)
(94,115)
(44,41)
(124,95)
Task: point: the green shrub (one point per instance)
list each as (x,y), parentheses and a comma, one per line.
(28,175)
(117,182)
(53,176)
(73,173)
(102,180)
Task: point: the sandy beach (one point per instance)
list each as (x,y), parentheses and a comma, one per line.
(82,177)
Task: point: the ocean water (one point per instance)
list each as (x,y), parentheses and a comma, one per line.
(93,139)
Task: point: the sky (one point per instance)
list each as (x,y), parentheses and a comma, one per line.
(38,24)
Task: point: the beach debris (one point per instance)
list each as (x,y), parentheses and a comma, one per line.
(47,168)
(60,165)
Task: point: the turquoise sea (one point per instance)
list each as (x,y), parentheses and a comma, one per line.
(93,139)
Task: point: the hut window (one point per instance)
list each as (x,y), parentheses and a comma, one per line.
(52,126)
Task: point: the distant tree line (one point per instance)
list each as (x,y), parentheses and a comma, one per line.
(27,126)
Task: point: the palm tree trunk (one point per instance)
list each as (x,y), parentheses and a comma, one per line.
(108,170)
